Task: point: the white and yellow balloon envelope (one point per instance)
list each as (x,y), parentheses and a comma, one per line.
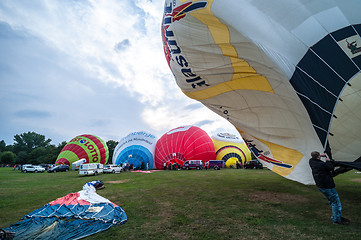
(136,148)
(231,149)
(285,73)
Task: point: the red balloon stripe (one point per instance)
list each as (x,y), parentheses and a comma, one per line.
(77,150)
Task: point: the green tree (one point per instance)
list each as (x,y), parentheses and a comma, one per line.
(2,146)
(7,157)
(21,158)
(9,148)
(52,153)
(29,141)
(111,146)
(47,154)
(37,156)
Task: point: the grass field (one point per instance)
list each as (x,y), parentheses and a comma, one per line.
(225,204)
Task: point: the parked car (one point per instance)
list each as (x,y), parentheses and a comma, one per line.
(216,164)
(25,165)
(253,164)
(59,168)
(32,168)
(193,164)
(112,168)
(90,168)
(46,166)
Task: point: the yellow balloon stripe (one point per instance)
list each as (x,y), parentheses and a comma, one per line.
(239,149)
(258,83)
(288,155)
(244,76)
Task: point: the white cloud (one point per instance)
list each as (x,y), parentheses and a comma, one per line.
(93,67)
(178,113)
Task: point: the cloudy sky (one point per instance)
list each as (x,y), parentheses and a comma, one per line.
(89,67)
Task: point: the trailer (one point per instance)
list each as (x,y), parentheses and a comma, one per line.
(76,165)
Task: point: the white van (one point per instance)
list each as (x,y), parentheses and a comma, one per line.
(90,168)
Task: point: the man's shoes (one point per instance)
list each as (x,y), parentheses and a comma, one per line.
(344,221)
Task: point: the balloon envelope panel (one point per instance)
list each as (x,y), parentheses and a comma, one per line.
(289,84)
(231,149)
(87,146)
(137,148)
(182,144)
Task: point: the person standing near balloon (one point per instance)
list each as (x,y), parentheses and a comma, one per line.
(322,174)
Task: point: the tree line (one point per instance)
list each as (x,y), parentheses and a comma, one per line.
(34,148)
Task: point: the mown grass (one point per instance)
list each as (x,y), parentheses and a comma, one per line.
(225,204)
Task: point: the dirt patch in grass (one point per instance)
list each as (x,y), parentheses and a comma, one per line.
(167,210)
(180,235)
(119,181)
(277,197)
(356,180)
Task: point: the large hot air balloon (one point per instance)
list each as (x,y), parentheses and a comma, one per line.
(136,148)
(182,144)
(285,73)
(231,149)
(87,146)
